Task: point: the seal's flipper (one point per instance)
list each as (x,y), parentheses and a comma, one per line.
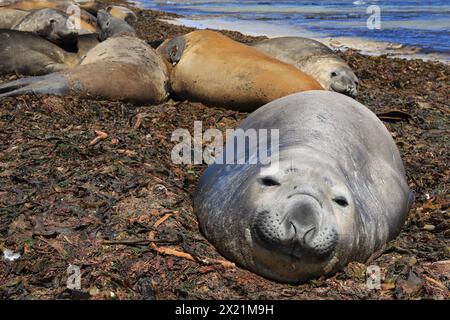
(54,84)
(175,48)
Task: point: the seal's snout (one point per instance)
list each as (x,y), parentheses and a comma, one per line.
(315,235)
(300,229)
(344,82)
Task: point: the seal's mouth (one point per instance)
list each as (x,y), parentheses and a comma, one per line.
(297,229)
(347,89)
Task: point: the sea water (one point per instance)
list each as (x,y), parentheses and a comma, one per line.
(416,23)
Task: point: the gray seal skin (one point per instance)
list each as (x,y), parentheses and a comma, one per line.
(50,24)
(340,193)
(123,67)
(313,58)
(9,17)
(26,53)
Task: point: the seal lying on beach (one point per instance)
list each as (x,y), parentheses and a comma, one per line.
(86,21)
(48,23)
(213,69)
(52,24)
(335,191)
(122,67)
(89,5)
(314,59)
(123,13)
(28,54)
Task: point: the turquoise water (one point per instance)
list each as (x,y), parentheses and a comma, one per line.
(418,23)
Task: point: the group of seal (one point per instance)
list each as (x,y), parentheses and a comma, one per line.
(122,67)
(203,66)
(335,191)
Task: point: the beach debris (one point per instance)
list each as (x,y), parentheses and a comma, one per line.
(188,256)
(100,136)
(10,255)
(335,43)
(408,285)
(394,46)
(393,115)
(160,221)
(429,227)
(160,188)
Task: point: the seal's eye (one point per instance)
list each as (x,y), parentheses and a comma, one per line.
(52,21)
(341,201)
(334,74)
(268,181)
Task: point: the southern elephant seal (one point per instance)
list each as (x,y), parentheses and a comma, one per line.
(335,191)
(89,5)
(113,26)
(48,23)
(313,58)
(123,13)
(82,19)
(9,17)
(211,68)
(26,53)
(122,67)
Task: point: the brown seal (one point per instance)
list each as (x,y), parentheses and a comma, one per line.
(211,68)
(123,13)
(26,53)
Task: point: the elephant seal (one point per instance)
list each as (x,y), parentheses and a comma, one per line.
(122,67)
(28,54)
(211,68)
(335,191)
(9,17)
(53,25)
(48,23)
(113,26)
(86,21)
(123,13)
(314,59)
(89,5)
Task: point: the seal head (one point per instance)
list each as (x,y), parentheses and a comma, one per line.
(315,59)
(49,23)
(301,216)
(111,26)
(340,79)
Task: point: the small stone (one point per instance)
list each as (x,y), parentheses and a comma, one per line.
(10,255)
(94,291)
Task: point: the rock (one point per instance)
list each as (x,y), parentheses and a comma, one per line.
(408,286)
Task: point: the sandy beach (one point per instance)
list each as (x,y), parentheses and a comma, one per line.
(116,206)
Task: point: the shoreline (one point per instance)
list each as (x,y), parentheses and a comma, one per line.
(263,29)
(362,45)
